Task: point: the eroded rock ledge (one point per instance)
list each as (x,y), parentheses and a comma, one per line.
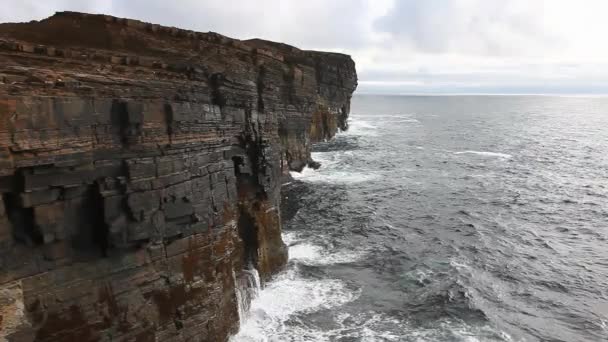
(140,169)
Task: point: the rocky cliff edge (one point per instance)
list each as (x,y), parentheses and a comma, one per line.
(140,170)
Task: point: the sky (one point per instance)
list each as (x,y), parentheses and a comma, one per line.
(402,46)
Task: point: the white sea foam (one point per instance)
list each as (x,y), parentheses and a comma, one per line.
(453,331)
(275,313)
(406,120)
(382,116)
(287,295)
(304,252)
(460,263)
(357,127)
(422,276)
(333,169)
(309,254)
(327,159)
(361,121)
(290,238)
(368,326)
(362,124)
(336,177)
(486,154)
(399,121)
(374,327)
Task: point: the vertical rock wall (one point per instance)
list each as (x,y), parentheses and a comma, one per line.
(140,169)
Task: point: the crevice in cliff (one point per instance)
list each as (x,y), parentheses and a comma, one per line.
(248,233)
(289,87)
(25,229)
(250,192)
(246,276)
(215,81)
(120,119)
(94,233)
(343,117)
(169,121)
(247,189)
(260,87)
(251,165)
(318,74)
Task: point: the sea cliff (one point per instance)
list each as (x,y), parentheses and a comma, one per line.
(140,173)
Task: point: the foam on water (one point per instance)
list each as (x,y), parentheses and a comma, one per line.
(327,159)
(315,176)
(362,121)
(382,116)
(359,127)
(403,121)
(289,238)
(310,254)
(287,295)
(332,170)
(272,313)
(486,154)
(456,331)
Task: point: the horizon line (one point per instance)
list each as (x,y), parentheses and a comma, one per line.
(487,94)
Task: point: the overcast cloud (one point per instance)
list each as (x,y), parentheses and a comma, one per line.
(402,46)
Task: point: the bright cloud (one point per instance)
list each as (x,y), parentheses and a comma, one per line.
(403,46)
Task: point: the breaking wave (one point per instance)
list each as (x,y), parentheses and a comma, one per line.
(316,176)
(486,154)
(335,168)
(310,254)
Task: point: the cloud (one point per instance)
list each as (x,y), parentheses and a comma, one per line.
(484,27)
(336,24)
(401,45)
(456,45)
(313,23)
(26,10)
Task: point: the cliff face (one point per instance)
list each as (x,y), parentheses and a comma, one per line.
(140,169)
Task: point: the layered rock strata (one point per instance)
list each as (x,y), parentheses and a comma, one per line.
(140,170)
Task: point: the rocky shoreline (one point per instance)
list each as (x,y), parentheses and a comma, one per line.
(140,172)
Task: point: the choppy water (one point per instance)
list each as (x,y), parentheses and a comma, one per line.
(448,219)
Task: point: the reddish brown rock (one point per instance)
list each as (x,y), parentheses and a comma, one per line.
(140,168)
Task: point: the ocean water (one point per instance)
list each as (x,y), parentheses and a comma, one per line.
(456,218)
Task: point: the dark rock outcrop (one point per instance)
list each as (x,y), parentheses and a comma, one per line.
(140,170)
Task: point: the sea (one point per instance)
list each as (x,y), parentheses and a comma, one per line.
(447,218)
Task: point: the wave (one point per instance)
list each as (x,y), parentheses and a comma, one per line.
(276,315)
(486,154)
(337,177)
(362,124)
(448,330)
(327,159)
(381,119)
(304,252)
(286,296)
(360,128)
(376,116)
(309,254)
(290,238)
(335,169)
